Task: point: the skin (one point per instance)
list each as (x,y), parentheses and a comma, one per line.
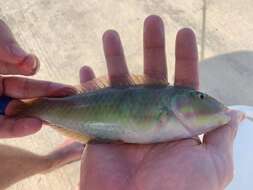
(15,61)
(17,164)
(185,164)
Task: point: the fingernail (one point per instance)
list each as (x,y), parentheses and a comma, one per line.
(32,61)
(111,35)
(30,64)
(17,51)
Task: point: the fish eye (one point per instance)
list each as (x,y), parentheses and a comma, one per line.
(201,96)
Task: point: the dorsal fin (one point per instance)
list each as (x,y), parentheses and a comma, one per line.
(131,80)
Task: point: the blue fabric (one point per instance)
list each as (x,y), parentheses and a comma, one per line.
(4,101)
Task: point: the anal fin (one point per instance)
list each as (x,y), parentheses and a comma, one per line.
(72,134)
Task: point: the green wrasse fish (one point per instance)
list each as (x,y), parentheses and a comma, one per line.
(132,113)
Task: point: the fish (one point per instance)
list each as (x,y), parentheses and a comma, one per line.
(140,111)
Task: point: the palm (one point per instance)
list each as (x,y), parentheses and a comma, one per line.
(184,164)
(177,165)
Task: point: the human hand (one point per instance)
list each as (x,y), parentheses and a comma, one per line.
(183,164)
(15,61)
(18,164)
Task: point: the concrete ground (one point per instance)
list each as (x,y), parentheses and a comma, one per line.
(67,34)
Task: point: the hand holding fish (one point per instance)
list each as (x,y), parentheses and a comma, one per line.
(182,164)
(15,61)
(17,164)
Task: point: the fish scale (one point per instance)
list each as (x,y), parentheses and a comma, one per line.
(133,114)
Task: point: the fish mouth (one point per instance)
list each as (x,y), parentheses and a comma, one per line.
(225,111)
(224,116)
(226,120)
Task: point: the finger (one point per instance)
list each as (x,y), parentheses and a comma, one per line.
(68,152)
(154,48)
(11,53)
(22,88)
(186,73)
(27,67)
(9,49)
(12,127)
(222,138)
(86,74)
(114,55)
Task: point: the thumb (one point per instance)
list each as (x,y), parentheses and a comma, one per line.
(222,138)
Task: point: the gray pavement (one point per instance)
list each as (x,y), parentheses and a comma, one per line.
(67,34)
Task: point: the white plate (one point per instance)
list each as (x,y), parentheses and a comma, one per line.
(243,152)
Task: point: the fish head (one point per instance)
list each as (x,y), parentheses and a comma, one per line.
(199,111)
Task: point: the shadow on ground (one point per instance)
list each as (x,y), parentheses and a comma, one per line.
(229,77)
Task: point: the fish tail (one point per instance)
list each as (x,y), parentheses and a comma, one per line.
(27,108)
(11,107)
